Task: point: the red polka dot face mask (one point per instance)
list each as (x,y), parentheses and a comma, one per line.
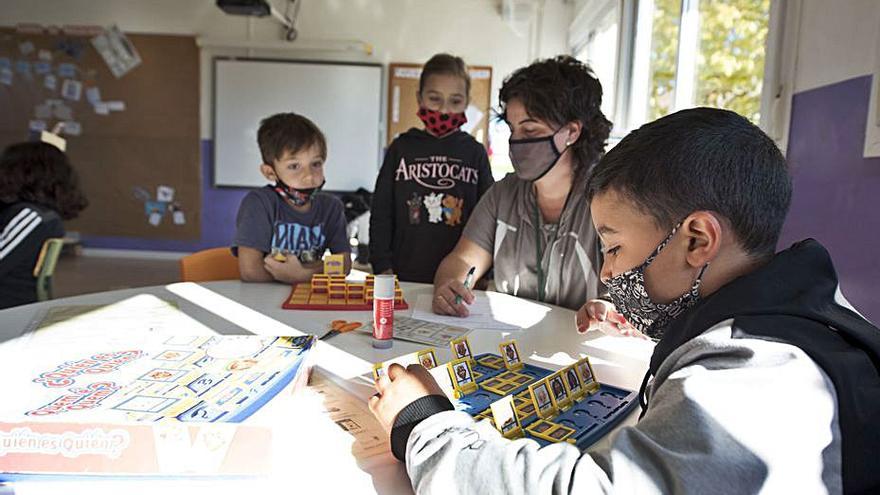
(441,124)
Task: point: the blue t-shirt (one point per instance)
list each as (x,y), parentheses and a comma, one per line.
(267,223)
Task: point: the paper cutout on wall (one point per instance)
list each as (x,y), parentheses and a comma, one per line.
(71,128)
(37,125)
(165,193)
(117,51)
(66,70)
(50,82)
(155,210)
(45,55)
(6,77)
(71,89)
(26,48)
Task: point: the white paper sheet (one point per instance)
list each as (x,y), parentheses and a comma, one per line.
(481,315)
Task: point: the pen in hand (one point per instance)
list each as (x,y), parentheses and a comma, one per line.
(468,280)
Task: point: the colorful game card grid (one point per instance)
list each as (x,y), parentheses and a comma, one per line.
(334,292)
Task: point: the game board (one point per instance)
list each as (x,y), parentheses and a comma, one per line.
(156,378)
(574,407)
(334,292)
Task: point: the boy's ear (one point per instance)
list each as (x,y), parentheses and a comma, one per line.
(704,234)
(268,172)
(419,98)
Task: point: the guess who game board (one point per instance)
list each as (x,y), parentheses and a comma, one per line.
(334,292)
(522,400)
(192,379)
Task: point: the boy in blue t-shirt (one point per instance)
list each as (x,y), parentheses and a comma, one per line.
(282,230)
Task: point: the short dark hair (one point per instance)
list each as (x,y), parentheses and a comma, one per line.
(444,63)
(562,90)
(702,159)
(288,132)
(40,173)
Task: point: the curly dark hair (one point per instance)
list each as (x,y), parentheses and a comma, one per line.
(561,90)
(40,173)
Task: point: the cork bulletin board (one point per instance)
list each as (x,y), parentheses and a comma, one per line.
(403,84)
(132,129)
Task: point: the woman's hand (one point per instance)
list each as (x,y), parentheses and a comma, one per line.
(450,298)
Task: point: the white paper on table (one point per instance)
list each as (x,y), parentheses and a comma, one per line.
(481,315)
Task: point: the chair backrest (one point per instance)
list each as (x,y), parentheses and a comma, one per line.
(210,264)
(45,267)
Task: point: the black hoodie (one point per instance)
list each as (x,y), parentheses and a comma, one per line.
(792,300)
(425,193)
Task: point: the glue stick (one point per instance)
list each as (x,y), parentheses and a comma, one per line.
(383,311)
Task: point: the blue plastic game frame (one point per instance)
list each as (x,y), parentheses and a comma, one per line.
(592,417)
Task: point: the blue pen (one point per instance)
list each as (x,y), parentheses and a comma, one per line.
(467,283)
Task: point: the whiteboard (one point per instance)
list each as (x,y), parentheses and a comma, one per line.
(343,100)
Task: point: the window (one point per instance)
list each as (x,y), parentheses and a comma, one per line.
(674,54)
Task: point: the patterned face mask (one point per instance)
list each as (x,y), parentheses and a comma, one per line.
(441,124)
(630,296)
(298,197)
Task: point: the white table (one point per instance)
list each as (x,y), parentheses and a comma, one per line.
(233,307)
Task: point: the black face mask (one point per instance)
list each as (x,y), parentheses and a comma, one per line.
(532,158)
(299,197)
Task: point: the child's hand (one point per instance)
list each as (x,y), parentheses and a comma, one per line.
(445,303)
(600,315)
(289,271)
(399,389)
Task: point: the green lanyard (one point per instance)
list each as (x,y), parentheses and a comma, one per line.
(539,251)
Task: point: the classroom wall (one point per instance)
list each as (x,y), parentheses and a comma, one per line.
(835,187)
(398,30)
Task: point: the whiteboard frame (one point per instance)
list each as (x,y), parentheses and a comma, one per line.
(380,113)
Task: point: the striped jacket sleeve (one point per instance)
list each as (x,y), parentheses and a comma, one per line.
(21,238)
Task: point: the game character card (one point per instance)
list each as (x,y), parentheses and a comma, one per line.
(541,398)
(559,392)
(588,378)
(461,348)
(462,376)
(510,352)
(427,358)
(573,382)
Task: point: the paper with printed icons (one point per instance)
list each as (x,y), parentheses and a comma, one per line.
(6,77)
(117,51)
(50,82)
(71,89)
(44,55)
(165,193)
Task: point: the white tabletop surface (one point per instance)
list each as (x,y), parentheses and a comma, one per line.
(549,340)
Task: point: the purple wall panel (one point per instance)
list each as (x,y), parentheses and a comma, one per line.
(219,207)
(836,190)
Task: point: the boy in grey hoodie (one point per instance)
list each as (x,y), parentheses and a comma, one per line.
(765,379)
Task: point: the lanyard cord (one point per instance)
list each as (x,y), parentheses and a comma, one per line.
(539,251)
